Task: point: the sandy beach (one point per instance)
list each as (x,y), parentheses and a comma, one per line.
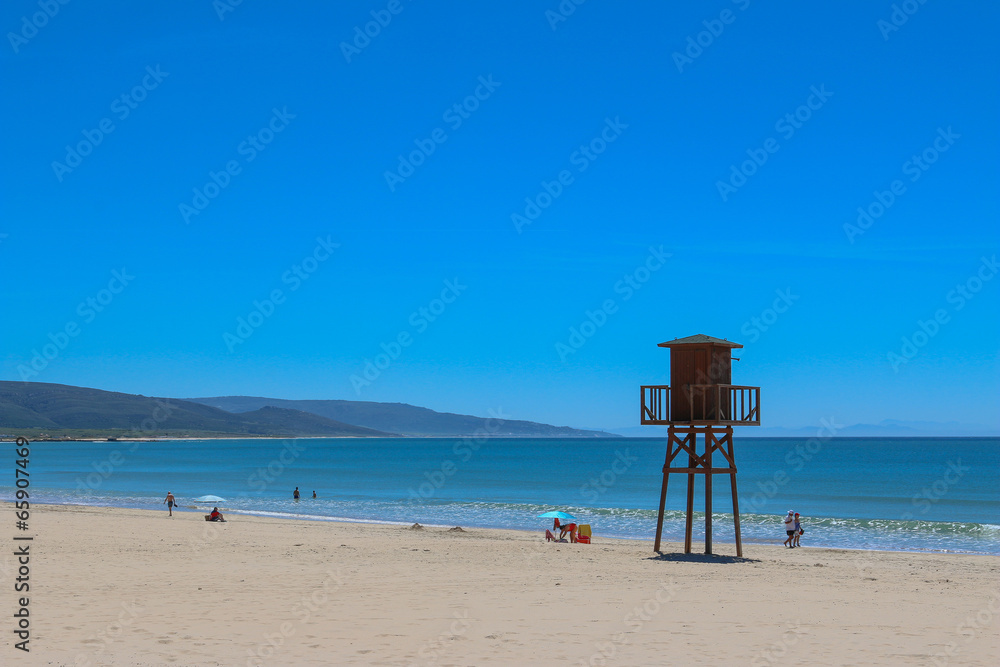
(134,587)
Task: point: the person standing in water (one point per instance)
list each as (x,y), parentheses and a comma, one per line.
(295,493)
(314,494)
(170,501)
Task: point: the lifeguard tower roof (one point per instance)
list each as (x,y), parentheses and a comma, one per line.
(699,339)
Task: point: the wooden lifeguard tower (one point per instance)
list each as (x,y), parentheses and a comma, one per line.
(700,400)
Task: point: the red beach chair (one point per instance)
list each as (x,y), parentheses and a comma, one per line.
(549,537)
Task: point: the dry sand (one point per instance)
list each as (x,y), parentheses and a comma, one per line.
(132,587)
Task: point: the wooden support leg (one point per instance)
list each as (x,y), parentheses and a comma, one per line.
(736,502)
(736,517)
(709,445)
(663,491)
(689,521)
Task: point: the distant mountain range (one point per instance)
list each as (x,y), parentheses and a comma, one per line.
(402,418)
(65,410)
(36,408)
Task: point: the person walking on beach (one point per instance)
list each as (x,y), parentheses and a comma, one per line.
(798,531)
(295,493)
(170,501)
(789,529)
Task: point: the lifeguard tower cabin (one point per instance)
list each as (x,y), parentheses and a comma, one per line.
(700,400)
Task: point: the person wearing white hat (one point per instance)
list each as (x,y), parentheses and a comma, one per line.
(789,528)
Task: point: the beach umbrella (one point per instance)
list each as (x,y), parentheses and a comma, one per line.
(210,499)
(557,515)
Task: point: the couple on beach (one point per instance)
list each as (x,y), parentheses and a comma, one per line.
(793,528)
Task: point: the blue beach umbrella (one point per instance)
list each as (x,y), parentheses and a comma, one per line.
(557,515)
(210,499)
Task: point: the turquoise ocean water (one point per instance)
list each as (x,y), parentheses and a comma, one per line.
(908,494)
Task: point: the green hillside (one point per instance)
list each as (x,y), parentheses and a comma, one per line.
(32,408)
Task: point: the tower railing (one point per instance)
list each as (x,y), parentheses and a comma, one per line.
(655,400)
(727,404)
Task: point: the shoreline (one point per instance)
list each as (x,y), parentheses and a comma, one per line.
(521,532)
(280,516)
(114,586)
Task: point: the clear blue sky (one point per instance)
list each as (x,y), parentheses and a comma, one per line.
(664,133)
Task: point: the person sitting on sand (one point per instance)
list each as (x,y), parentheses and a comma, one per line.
(170,501)
(216,515)
(798,531)
(789,529)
